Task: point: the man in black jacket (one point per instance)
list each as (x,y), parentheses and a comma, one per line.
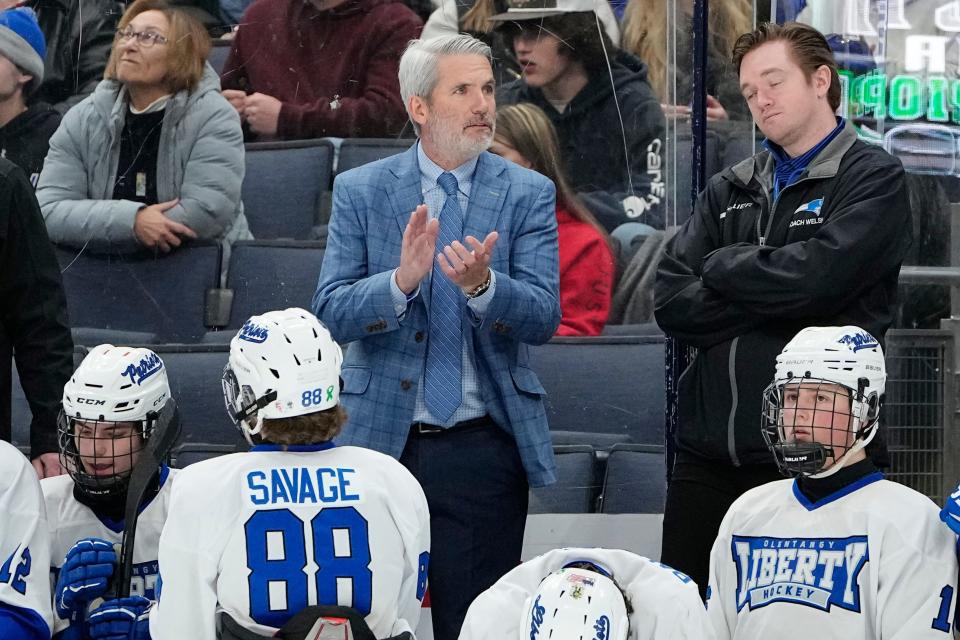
(24,130)
(33,318)
(809,232)
(79,36)
(611,132)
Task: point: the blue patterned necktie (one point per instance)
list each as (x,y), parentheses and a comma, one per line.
(442,390)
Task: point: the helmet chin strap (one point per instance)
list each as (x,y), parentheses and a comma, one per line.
(842,462)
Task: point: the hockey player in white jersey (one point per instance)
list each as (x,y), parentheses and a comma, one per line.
(111,405)
(254,538)
(838,551)
(24,551)
(574,594)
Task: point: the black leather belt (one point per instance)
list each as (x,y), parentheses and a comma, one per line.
(427,429)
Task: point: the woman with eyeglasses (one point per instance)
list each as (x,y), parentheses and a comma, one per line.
(154,157)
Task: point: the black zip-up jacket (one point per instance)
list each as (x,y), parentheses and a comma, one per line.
(25,140)
(592,141)
(745,274)
(33,315)
(79,35)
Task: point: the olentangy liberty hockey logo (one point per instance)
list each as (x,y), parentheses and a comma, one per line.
(253,333)
(147,366)
(815,572)
(857,341)
(811,213)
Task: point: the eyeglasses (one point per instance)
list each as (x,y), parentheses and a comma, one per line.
(145,39)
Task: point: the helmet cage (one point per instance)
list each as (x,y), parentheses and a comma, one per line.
(809,458)
(242,404)
(109,445)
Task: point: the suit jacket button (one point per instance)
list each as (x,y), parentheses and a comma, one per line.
(405,385)
(418,336)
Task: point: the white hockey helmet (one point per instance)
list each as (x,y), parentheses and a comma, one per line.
(112,385)
(846,356)
(576,604)
(282,364)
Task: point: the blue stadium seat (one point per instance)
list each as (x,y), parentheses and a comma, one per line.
(188,453)
(577,483)
(635,481)
(355,152)
(604,385)
(195,372)
(218,54)
(285,187)
(269,275)
(144,293)
(683,180)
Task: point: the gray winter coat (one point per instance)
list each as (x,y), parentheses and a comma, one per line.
(201,162)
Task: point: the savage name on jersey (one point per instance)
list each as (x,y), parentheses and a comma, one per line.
(871,561)
(261,535)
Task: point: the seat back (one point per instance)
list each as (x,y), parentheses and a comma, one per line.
(20,414)
(285,186)
(355,152)
(195,372)
(219,52)
(270,275)
(635,480)
(144,293)
(577,484)
(190,452)
(604,385)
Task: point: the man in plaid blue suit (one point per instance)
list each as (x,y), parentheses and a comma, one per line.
(440,268)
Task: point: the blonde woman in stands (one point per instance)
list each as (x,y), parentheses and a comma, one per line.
(645,35)
(526,136)
(154,156)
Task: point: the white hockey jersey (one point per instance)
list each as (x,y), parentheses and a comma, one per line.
(24,549)
(666,603)
(70,520)
(871,561)
(263,534)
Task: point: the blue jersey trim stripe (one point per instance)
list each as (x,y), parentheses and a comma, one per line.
(322,446)
(836,495)
(117,525)
(22,623)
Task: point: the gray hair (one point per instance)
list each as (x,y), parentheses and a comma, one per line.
(418,64)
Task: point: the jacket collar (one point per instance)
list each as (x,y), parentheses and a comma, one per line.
(825,165)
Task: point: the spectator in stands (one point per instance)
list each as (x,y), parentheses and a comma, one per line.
(458,17)
(810,231)
(449,392)
(24,130)
(308,69)
(611,133)
(645,35)
(33,318)
(155,155)
(79,36)
(526,136)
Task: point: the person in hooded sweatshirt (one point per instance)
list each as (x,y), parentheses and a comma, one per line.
(155,155)
(608,119)
(315,68)
(25,129)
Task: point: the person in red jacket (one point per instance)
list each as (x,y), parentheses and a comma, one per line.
(315,68)
(526,136)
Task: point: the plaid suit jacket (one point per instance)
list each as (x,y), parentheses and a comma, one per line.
(383,366)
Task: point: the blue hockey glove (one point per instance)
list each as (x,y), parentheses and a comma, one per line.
(123,619)
(951,511)
(84,575)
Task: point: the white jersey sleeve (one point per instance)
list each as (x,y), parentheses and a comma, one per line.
(872,561)
(666,603)
(260,535)
(25,610)
(70,520)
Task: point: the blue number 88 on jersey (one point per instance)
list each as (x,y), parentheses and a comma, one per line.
(277,556)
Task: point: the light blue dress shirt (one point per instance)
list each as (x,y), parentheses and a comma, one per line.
(434,197)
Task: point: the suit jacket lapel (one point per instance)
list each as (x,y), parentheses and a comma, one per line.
(405,194)
(487,194)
